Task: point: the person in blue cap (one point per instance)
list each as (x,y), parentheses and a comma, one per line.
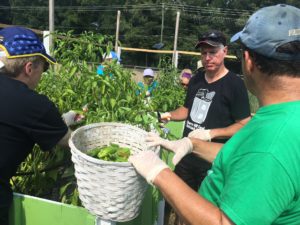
(107,58)
(254,177)
(26,117)
(148,84)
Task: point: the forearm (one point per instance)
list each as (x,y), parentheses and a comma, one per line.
(179,114)
(64,142)
(191,207)
(229,131)
(206,150)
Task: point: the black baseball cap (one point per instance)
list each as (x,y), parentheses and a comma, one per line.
(213,38)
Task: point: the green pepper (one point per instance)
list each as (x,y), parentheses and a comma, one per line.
(94,152)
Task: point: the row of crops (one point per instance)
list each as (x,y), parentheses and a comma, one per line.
(74,84)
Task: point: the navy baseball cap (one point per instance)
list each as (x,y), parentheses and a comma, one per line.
(270,28)
(213,38)
(21,42)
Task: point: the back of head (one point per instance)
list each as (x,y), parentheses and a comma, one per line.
(273,35)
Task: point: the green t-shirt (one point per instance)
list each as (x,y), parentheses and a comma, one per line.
(255,179)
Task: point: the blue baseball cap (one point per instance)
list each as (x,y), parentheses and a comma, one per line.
(269,28)
(21,42)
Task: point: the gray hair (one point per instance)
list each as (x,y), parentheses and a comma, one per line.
(13,66)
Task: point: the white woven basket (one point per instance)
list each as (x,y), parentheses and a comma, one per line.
(111,190)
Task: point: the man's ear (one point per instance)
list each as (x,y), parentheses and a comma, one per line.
(28,68)
(248,62)
(225,50)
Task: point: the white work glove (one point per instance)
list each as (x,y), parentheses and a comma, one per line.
(180,147)
(165,117)
(148,164)
(200,134)
(72,118)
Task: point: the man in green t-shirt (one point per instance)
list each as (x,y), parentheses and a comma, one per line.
(255,177)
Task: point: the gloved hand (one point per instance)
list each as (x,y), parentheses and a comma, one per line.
(148,164)
(148,93)
(180,147)
(72,118)
(201,134)
(165,117)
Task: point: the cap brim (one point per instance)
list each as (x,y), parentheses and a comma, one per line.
(211,43)
(236,37)
(49,58)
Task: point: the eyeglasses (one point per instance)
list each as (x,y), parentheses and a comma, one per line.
(211,53)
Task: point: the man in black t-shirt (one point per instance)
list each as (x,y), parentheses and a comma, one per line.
(216,106)
(26,117)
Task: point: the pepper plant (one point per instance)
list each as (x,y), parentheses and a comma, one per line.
(73,84)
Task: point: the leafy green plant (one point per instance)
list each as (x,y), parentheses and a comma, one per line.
(73,84)
(169,94)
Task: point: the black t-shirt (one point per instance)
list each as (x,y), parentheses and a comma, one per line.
(215,105)
(26,119)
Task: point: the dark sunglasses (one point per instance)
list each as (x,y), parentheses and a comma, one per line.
(213,37)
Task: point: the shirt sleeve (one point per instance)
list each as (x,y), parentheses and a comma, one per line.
(257,190)
(50,128)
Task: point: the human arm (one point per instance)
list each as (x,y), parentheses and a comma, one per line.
(184,146)
(192,208)
(219,133)
(206,150)
(179,114)
(229,131)
(70,118)
(188,204)
(64,141)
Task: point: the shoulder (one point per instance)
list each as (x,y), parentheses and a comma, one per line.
(234,76)
(234,79)
(37,102)
(197,77)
